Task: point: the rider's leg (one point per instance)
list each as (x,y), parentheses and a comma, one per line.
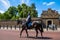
(27,24)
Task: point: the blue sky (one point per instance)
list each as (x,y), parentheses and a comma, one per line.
(40,4)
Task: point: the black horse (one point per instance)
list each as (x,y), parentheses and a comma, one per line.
(37,26)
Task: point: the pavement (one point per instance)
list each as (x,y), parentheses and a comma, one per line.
(5,28)
(14,35)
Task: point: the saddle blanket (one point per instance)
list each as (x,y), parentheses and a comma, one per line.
(30,24)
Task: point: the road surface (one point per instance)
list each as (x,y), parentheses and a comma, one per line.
(14,35)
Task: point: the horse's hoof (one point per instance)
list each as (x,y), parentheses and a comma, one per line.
(35,37)
(20,36)
(27,36)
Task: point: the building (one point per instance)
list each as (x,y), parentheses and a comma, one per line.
(50,17)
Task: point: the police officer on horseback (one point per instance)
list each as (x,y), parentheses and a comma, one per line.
(28,20)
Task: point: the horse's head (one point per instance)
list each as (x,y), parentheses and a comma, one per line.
(19,22)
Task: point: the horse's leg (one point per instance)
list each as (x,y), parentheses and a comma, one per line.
(36,32)
(41,32)
(26,32)
(21,31)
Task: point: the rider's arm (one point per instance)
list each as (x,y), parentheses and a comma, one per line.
(27,18)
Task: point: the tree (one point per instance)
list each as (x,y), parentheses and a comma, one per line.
(33,6)
(1,16)
(12,11)
(23,10)
(33,10)
(7,16)
(19,8)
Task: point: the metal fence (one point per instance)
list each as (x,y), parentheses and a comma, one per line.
(9,24)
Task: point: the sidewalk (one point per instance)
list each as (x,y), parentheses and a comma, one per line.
(49,30)
(17,29)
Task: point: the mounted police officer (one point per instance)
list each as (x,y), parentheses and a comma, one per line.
(28,20)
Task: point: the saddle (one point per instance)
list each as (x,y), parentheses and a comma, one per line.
(29,24)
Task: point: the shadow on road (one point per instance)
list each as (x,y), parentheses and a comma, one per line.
(40,37)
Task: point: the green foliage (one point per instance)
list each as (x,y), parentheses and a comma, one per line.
(21,11)
(12,10)
(13,18)
(1,16)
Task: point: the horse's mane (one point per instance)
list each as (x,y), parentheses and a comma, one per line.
(36,22)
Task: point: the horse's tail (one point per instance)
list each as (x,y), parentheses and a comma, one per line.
(41,27)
